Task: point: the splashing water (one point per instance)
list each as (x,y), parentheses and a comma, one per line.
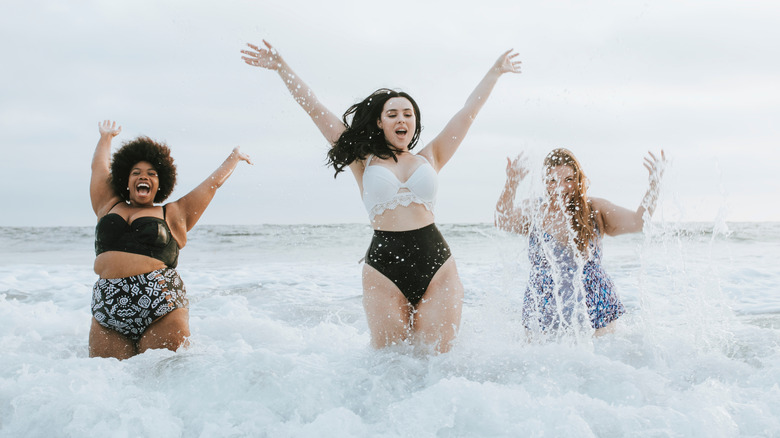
(280,345)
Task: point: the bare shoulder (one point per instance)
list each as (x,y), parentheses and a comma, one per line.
(599,203)
(602,206)
(177,222)
(174,212)
(106,206)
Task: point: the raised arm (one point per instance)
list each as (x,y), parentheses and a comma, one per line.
(269,58)
(619,220)
(507,216)
(183,214)
(446,143)
(100,191)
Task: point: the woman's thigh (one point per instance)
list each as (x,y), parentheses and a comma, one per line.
(387,310)
(606,330)
(104,342)
(437,319)
(170,331)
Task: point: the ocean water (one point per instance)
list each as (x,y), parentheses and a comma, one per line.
(280,345)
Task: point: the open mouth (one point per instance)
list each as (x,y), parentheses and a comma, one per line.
(400,132)
(143,188)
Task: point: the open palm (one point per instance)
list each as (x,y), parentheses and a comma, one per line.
(262,57)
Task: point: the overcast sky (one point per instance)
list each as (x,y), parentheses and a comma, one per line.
(609,80)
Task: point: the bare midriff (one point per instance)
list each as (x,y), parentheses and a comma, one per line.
(412,217)
(117,264)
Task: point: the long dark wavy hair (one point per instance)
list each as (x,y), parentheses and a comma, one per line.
(143,149)
(362,136)
(582,216)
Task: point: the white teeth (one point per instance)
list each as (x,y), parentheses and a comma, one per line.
(143,185)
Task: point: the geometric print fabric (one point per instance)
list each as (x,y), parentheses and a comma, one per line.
(130,305)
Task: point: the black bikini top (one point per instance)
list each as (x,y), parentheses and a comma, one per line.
(149,236)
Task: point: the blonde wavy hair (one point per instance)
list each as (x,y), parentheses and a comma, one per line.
(582,216)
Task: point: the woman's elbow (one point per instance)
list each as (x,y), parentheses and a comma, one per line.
(635,227)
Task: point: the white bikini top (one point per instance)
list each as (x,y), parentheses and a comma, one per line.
(383,191)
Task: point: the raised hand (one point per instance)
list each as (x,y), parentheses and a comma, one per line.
(516,169)
(241,156)
(109,128)
(655,167)
(266,58)
(505,63)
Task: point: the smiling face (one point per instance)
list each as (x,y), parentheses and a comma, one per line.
(561,183)
(398,122)
(143,184)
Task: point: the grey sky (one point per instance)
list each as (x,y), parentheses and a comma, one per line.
(608,80)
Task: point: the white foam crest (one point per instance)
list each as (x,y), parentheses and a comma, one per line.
(282,349)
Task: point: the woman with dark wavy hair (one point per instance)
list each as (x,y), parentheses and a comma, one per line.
(565,229)
(411,287)
(139,302)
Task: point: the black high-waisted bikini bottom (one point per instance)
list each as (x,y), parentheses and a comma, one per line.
(409,259)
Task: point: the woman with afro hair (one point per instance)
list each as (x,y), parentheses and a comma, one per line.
(411,287)
(139,302)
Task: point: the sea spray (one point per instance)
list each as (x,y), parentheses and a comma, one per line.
(280,345)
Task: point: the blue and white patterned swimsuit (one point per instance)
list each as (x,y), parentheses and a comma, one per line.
(550,305)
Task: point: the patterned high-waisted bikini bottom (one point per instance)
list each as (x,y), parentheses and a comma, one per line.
(130,305)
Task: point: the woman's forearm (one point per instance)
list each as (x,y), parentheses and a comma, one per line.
(649,201)
(223,172)
(193,204)
(102,156)
(301,92)
(100,191)
(328,123)
(479,96)
(655,167)
(505,208)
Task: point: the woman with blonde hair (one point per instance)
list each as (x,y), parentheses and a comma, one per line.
(565,228)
